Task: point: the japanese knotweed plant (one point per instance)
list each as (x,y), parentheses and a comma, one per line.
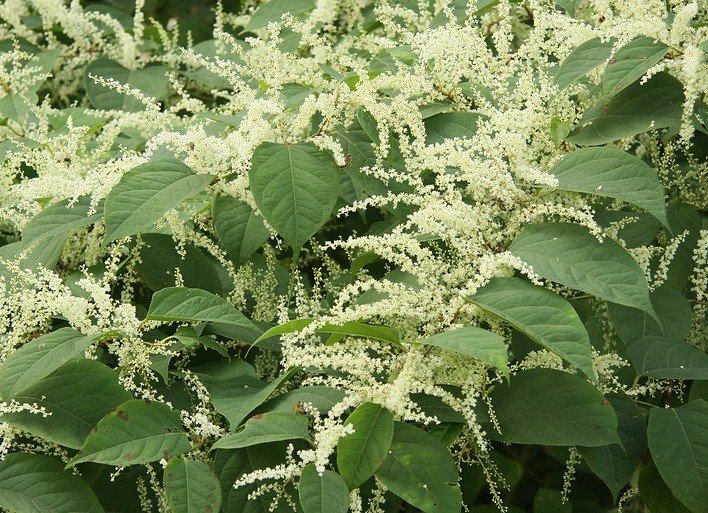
(354,255)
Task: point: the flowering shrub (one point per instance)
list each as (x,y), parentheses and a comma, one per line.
(350,255)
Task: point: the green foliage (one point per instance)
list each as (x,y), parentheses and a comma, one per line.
(295,187)
(362,452)
(677,441)
(147,193)
(419,469)
(135,432)
(550,407)
(37,484)
(544,317)
(304,256)
(191,487)
(322,493)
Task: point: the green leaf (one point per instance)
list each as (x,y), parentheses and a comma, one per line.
(352,329)
(636,228)
(478,343)
(582,60)
(369,125)
(266,427)
(236,398)
(672,308)
(273,10)
(182,304)
(630,63)
(136,432)
(363,330)
(615,174)
(659,351)
(295,187)
(420,470)
(159,259)
(60,218)
(286,327)
(615,464)
(678,441)
(326,493)
(238,227)
(450,125)
(191,487)
(233,464)
(33,255)
(357,145)
(38,358)
(655,494)
(551,407)
(146,193)
(34,483)
(638,108)
(321,397)
(76,396)
(543,316)
(151,81)
(570,255)
(361,453)
(667,358)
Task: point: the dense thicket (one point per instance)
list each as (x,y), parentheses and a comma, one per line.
(332,255)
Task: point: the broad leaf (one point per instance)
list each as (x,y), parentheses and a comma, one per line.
(570,255)
(266,427)
(159,259)
(543,316)
(352,329)
(321,397)
(146,193)
(236,398)
(551,407)
(678,441)
(136,432)
(449,125)
(615,464)
(76,396)
(60,218)
(357,145)
(233,464)
(672,308)
(420,470)
(369,125)
(361,453)
(151,81)
(295,187)
(655,494)
(630,63)
(322,493)
(478,343)
(659,351)
(32,255)
(582,60)
(638,108)
(182,304)
(615,174)
(238,227)
(273,10)
(34,483)
(38,358)
(667,358)
(286,327)
(191,487)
